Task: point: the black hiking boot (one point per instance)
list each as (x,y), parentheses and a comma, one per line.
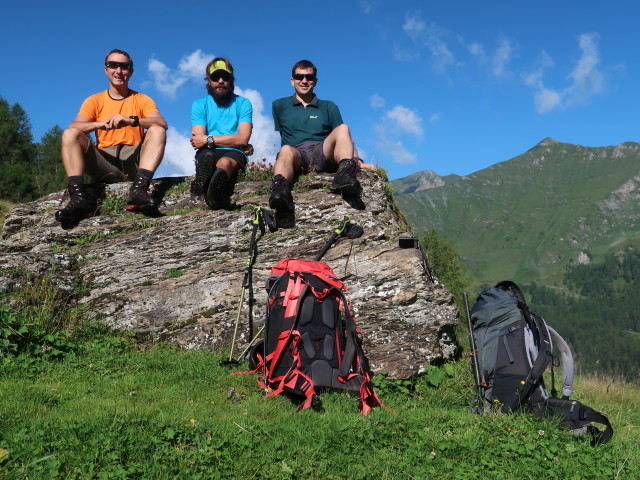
(139,199)
(78,206)
(281,199)
(345,180)
(204,170)
(218,196)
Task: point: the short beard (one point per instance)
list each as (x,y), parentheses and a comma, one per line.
(221,98)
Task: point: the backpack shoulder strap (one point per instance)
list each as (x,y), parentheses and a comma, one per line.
(544,353)
(567,362)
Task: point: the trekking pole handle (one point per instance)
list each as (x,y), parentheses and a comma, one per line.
(259,220)
(336,233)
(345,221)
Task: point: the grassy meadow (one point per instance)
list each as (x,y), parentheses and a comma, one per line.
(96,405)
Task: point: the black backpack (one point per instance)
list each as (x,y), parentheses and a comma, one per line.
(512,348)
(311,342)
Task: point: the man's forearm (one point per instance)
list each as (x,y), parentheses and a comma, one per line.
(86,127)
(147,122)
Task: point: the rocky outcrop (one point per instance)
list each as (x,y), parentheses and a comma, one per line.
(178,276)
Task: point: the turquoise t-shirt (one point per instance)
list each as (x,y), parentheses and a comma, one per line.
(221,120)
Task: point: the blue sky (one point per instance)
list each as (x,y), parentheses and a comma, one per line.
(452,87)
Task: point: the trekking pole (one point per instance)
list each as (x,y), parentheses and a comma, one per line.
(345,229)
(413,242)
(257,223)
(474,353)
(244,352)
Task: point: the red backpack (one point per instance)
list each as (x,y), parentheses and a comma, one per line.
(311,341)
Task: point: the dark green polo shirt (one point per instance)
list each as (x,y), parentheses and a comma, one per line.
(297,123)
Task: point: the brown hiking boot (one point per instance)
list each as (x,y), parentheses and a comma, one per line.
(78,206)
(139,199)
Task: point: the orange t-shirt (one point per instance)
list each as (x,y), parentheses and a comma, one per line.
(101,106)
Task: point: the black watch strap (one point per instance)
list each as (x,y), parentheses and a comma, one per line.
(136,120)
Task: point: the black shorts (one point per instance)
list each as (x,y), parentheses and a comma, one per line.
(216,154)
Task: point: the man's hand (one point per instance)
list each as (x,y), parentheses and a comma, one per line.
(198,140)
(116,121)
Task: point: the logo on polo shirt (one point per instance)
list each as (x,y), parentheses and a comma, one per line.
(313,116)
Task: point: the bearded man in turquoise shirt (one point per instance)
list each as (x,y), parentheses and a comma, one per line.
(221,125)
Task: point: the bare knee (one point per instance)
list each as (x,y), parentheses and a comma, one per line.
(286,154)
(74,137)
(228,164)
(342,131)
(156,134)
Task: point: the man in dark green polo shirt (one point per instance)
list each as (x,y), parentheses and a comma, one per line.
(313,138)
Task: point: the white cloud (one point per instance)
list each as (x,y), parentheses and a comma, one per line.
(395,127)
(393,148)
(190,67)
(178,156)
(404,120)
(413,25)
(546,100)
(477,50)
(429,36)
(376,101)
(586,79)
(165,82)
(194,64)
(434,119)
(501,58)
(403,55)
(265,140)
(367,6)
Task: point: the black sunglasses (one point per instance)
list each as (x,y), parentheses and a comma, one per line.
(220,74)
(310,77)
(115,65)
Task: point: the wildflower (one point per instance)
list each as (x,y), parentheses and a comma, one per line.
(541,432)
(433,455)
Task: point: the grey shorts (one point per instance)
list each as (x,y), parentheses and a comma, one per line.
(112,164)
(313,158)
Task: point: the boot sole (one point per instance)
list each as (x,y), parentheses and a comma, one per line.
(218,186)
(204,172)
(353,190)
(72,218)
(141,209)
(281,204)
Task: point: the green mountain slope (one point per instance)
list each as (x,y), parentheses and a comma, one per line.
(527,218)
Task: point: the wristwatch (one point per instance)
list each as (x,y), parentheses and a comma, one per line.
(210,142)
(136,120)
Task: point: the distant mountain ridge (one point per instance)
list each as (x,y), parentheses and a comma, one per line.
(529,217)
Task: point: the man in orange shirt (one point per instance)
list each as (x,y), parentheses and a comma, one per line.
(119,117)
